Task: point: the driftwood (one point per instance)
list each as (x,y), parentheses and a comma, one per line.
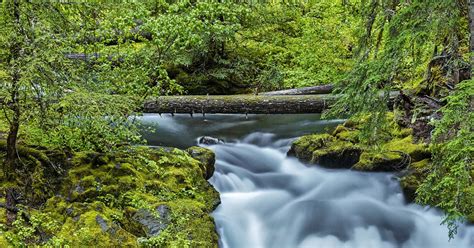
(313,90)
(244,104)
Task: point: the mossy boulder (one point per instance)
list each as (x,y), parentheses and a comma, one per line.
(342,148)
(206,157)
(325,150)
(137,196)
(394,155)
(413,176)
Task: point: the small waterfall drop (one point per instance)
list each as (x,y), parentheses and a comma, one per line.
(271,200)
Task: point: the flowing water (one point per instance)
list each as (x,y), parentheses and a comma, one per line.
(271,200)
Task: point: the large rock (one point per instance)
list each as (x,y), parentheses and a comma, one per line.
(325,150)
(208,140)
(342,149)
(153,223)
(206,157)
(133,197)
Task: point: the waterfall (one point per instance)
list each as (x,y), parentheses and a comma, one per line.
(271,200)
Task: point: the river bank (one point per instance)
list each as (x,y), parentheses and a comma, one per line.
(134,197)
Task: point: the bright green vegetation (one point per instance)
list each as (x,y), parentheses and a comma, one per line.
(131,197)
(450,183)
(424,49)
(74,76)
(397,152)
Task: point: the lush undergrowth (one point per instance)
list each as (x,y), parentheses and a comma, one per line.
(132,197)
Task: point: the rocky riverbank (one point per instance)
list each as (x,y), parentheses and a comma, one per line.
(341,149)
(137,196)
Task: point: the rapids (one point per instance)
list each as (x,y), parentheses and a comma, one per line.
(271,200)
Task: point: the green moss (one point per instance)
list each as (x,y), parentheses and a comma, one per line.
(417,151)
(414,176)
(304,146)
(3,241)
(394,155)
(325,150)
(100,195)
(343,133)
(342,148)
(379,161)
(206,157)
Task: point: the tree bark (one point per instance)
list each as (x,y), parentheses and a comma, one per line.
(243,104)
(313,90)
(15,99)
(11,156)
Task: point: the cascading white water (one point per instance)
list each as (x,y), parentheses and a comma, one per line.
(270,200)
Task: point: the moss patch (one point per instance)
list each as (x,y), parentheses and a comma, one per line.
(413,177)
(137,196)
(342,149)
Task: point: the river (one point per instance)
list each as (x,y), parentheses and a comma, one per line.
(271,200)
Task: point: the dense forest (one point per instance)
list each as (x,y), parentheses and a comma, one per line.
(74,78)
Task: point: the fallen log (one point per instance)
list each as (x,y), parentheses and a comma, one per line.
(320,89)
(244,104)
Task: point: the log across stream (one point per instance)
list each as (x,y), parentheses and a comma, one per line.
(251,104)
(244,104)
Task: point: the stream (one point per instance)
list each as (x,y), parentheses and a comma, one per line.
(271,200)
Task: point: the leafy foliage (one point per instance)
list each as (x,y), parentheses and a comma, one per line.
(449,186)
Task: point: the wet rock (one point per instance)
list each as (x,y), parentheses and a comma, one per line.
(153,223)
(342,149)
(208,140)
(413,177)
(206,157)
(325,150)
(102,223)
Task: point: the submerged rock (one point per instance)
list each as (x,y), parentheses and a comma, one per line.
(208,140)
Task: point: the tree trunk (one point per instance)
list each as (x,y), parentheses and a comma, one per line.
(10,205)
(11,156)
(239,104)
(12,138)
(15,99)
(244,104)
(313,90)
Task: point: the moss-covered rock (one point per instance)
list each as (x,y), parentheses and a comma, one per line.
(413,176)
(206,157)
(342,149)
(137,196)
(326,150)
(394,155)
